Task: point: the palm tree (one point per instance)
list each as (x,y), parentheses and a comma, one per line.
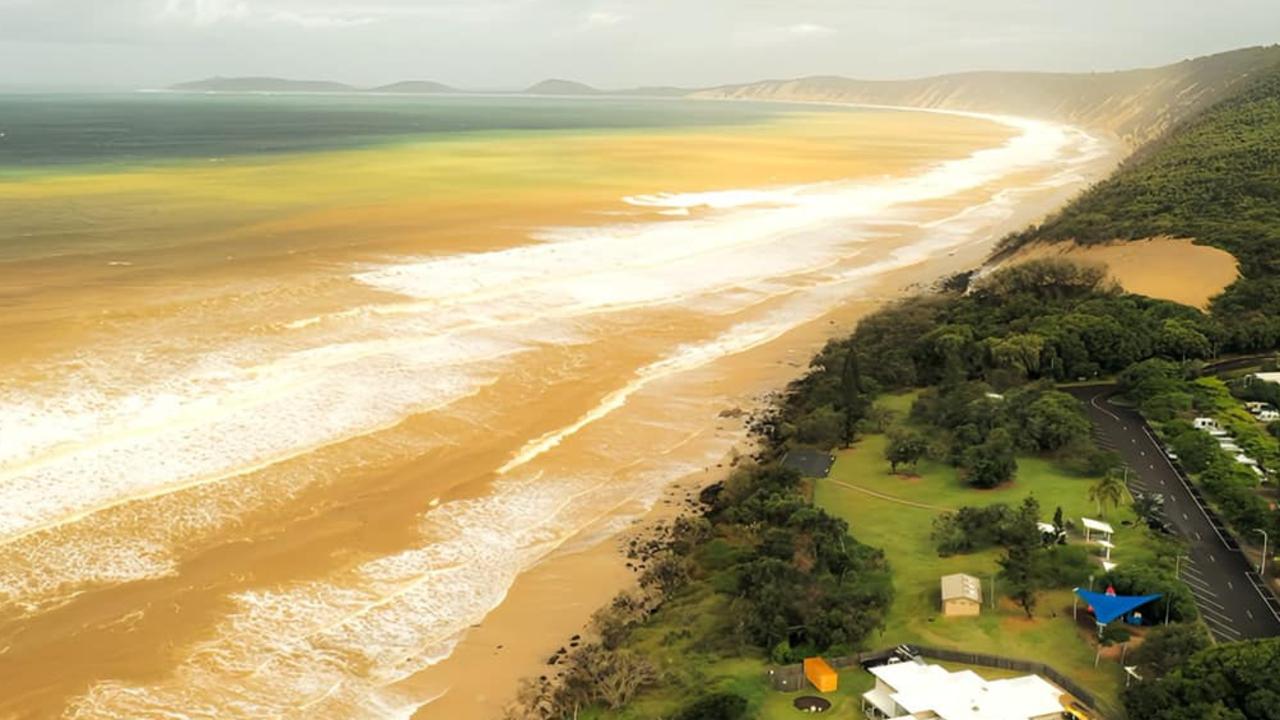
(1110,490)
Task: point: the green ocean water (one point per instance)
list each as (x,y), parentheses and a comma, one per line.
(51,131)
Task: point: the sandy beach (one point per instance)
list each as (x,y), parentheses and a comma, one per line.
(1173,269)
(368,446)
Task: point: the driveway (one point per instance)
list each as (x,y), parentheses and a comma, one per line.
(1228,591)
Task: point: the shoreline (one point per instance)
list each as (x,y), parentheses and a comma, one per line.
(605,561)
(367,534)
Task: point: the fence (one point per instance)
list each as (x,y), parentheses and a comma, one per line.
(790,678)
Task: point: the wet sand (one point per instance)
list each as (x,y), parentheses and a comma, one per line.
(554,601)
(320,458)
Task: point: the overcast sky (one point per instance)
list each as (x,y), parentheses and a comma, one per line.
(511,43)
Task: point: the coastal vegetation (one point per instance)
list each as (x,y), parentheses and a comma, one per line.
(952,442)
(1226,682)
(993,450)
(771,577)
(1215,179)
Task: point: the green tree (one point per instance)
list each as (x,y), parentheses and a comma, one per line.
(991,463)
(1018,567)
(905,447)
(1110,490)
(1054,421)
(854,395)
(1180,339)
(1195,449)
(717,706)
(1020,353)
(823,428)
(1234,681)
(1166,647)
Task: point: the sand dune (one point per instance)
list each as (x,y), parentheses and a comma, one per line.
(1166,268)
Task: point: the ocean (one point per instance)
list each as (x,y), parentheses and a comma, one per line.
(300,394)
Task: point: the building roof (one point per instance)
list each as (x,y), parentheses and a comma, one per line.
(960,586)
(964,695)
(1271,377)
(1097,525)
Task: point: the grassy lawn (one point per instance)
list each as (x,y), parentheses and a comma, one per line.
(903,532)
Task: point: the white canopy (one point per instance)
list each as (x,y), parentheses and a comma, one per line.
(1091,525)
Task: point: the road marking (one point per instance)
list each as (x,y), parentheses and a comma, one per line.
(1248,612)
(1184,516)
(1230,586)
(1201,589)
(1198,538)
(1209,602)
(1219,616)
(1212,558)
(1227,630)
(1094,402)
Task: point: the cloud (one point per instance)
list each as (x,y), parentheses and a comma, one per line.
(602,19)
(809,30)
(781,34)
(204,13)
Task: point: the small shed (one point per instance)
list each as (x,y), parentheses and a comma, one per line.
(822,675)
(961,595)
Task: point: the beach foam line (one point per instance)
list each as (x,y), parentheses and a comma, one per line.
(738,339)
(339,648)
(107,444)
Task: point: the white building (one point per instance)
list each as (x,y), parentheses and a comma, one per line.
(1205,423)
(1271,377)
(918,691)
(1268,415)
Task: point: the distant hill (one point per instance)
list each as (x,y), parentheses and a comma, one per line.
(562,87)
(420,87)
(1137,105)
(655,91)
(261,84)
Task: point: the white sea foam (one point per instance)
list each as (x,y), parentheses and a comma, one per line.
(337,647)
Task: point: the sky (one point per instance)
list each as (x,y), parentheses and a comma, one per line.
(507,44)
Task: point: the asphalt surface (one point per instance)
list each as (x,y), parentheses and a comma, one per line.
(1229,593)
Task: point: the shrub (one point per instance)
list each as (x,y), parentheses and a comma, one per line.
(718,706)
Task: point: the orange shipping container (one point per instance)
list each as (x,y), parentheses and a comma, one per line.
(818,672)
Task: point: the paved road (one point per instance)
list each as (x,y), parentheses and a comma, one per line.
(1228,592)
